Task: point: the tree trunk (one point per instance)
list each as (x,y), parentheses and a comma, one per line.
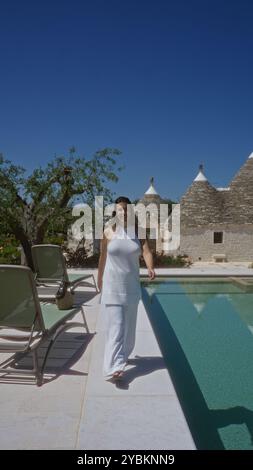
(41,231)
(26,245)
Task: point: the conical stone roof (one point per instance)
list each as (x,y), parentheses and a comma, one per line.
(201,204)
(239,200)
(151,196)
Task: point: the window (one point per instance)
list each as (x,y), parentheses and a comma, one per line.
(218,237)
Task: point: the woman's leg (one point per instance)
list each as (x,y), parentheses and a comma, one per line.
(130,311)
(114,343)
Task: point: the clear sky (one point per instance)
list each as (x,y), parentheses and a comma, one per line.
(168,82)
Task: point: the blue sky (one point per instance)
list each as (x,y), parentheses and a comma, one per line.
(169,83)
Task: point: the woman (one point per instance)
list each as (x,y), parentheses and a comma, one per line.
(119,281)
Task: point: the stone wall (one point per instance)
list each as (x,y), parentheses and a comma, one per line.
(205,209)
(237,243)
(239,201)
(201,205)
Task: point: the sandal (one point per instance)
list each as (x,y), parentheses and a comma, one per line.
(118,375)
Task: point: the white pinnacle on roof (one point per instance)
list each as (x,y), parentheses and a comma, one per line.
(200,176)
(251,155)
(151,189)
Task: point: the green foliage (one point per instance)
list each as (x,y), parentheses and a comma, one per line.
(54,239)
(39,205)
(168,261)
(9,251)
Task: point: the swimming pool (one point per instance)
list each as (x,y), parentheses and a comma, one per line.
(204,327)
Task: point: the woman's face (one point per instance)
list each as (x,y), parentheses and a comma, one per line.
(121,213)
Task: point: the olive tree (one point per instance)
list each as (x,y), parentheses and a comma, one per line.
(30,203)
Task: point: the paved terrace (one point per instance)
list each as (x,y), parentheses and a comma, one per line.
(77,409)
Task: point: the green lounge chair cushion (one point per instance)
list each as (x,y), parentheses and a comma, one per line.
(53,317)
(77,277)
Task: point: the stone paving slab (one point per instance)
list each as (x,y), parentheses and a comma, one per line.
(143,411)
(134,422)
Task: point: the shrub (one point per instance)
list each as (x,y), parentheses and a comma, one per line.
(168,261)
(79,258)
(92,261)
(55,239)
(75,258)
(9,251)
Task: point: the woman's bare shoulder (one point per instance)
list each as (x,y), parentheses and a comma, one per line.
(108,233)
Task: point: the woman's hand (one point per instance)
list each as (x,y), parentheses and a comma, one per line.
(101,262)
(148,258)
(151,274)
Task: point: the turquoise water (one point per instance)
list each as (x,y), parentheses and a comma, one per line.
(205,332)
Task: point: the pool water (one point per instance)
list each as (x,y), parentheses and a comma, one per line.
(205,331)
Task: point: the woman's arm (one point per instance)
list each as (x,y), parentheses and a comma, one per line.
(101,262)
(148,258)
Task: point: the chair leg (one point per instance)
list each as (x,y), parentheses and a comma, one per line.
(46,355)
(95,284)
(84,319)
(38,373)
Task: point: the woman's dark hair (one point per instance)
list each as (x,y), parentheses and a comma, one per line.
(121,199)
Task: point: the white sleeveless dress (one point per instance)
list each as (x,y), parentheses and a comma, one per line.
(121,278)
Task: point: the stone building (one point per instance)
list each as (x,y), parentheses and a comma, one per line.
(217,223)
(152,201)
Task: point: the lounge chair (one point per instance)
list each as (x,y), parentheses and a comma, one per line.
(50,268)
(25,323)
